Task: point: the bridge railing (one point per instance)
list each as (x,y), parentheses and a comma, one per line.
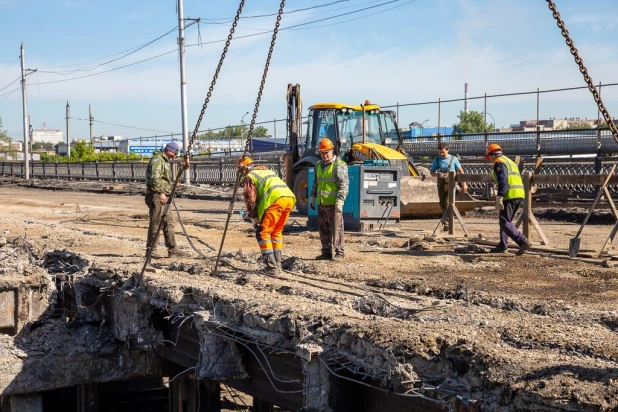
(215,171)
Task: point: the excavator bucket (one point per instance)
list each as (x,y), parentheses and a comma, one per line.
(419,198)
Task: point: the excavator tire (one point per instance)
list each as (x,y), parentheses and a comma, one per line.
(301,191)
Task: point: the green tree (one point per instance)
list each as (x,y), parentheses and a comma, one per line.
(261,131)
(471,122)
(583,126)
(3,136)
(81,151)
(43,146)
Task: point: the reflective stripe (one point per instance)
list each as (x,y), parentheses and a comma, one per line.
(277,240)
(515,186)
(264,242)
(269,188)
(327,183)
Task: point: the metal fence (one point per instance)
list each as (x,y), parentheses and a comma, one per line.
(552,143)
(220,171)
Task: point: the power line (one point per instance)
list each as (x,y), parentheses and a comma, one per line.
(7,94)
(18,78)
(113,60)
(221,40)
(10,64)
(296,25)
(357,18)
(257,16)
(122,125)
(141,46)
(110,70)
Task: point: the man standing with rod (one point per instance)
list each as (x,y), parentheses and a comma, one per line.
(330,188)
(158,188)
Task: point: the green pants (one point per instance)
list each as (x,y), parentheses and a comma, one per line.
(155,213)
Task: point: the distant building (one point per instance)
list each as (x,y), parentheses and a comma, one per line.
(552,124)
(108,137)
(47,135)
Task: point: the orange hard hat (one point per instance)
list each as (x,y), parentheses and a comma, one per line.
(491,148)
(244,161)
(325,145)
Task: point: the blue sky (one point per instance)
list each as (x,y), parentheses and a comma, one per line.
(404,51)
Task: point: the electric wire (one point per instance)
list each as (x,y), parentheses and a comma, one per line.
(122,125)
(257,16)
(10,64)
(214,42)
(7,94)
(139,47)
(110,70)
(18,78)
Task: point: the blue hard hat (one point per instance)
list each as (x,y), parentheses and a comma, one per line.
(173,147)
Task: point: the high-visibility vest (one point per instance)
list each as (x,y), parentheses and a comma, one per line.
(515,188)
(327,185)
(269,188)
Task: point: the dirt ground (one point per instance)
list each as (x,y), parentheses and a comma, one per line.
(511,333)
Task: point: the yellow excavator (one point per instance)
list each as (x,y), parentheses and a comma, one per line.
(359,133)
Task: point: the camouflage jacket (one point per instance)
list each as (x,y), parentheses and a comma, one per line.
(159,173)
(341,176)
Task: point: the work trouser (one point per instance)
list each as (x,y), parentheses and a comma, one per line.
(507,228)
(270,231)
(443,193)
(326,227)
(155,213)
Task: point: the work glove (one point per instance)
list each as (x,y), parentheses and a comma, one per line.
(339,206)
(312,203)
(255,223)
(499,204)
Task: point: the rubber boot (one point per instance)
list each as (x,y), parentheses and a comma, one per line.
(271,264)
(277,253)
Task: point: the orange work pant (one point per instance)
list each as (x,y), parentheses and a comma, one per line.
(270,231)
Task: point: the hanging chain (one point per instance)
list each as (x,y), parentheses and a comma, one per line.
(239,173)
(259,96)
(583,70)
(214,78)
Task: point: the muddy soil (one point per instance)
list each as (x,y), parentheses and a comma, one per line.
(536,332)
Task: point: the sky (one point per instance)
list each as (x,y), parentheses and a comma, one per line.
(401,51)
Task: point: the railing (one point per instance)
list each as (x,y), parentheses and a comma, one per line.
(219,171)
(532,143)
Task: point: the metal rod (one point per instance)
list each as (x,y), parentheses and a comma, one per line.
(68,131)
(230,211)
(439,109)
(23,96)
(183,86)
(538,127)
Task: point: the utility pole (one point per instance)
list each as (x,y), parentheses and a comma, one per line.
(68,131)
(30,133)
(183,85)
(23,98)
(90,118)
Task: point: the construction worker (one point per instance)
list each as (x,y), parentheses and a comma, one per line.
(509,198)
(158,187)
(440,167)
(330,188)
(269,204)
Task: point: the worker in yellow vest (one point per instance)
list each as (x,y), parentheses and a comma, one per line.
(330,188)
(269,203)
(509,198)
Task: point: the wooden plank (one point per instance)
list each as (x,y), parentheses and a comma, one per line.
(474,178)
(539,230)
(527,205)
(593,180)
(610,201)
(461,222)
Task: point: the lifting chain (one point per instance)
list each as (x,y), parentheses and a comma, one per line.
(197,126)
(583,70)
(214,78)
(259,96)
(239,173)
